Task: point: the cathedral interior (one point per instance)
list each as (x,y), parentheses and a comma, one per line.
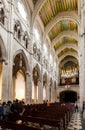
(42,50)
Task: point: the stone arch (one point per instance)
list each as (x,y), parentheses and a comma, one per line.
(67,54)
(63,15)
(69,59)
(21,75)
(71,34)
(67,45)
(25,58)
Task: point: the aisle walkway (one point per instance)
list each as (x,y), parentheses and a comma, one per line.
(76,122)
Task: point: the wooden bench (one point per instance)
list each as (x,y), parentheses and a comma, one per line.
(43,121)
(14,126)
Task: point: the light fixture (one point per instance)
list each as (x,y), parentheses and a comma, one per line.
(67,86)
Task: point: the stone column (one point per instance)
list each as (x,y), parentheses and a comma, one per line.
(10,40)
(48,88)
(40,92)
(82,56)
(5,82)
(52,93)
(35,93)
(13,85)
(28,88)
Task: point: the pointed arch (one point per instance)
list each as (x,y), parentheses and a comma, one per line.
(68,54)
(37,68)
(38,6)
(67,45)
(65,34)
(25,58)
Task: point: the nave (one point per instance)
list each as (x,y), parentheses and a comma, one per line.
(42,54)
(48,116)
(76,123)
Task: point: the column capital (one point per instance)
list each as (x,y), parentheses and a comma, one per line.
(27,73)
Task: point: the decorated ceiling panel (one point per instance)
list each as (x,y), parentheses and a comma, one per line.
(65,51)
(52,7)
(65,40)
(69,57)
(48,11)
(64,25)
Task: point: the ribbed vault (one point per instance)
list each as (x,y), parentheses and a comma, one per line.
(61,23)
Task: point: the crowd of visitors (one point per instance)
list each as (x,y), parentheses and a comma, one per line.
(11,110)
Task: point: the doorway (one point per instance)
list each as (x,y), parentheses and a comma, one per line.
(68,96)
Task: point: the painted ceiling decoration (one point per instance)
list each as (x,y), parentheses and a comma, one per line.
(49,10)
(65,51)
(64,25)
(65,40)
(69,57)
(52,7)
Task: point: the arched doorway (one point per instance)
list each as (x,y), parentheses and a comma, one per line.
(35,87)
(68,96)
(19,77)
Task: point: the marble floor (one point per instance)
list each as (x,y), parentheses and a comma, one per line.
(77,122)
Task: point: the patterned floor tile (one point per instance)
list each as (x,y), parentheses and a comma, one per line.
(75,123)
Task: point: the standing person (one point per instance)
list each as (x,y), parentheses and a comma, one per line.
(76,107)
(83,109)
(4,109)
(1,111)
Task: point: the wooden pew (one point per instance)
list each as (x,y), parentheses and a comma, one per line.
(43,121)
(14,126)
(57,112)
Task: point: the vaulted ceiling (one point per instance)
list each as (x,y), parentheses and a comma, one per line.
(61,22)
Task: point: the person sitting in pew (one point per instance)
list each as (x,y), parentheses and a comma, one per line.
(48,103)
